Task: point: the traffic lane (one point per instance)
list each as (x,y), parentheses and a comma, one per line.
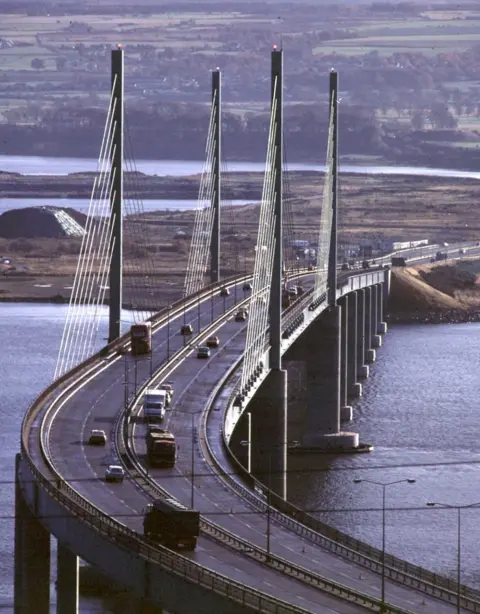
(215,502)
(188,403)
(97,405)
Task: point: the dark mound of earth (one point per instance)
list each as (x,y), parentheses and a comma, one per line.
(32,222)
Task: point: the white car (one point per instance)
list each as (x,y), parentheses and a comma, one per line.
(114,473)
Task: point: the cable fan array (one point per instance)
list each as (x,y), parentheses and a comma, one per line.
(203,224)
(140,282)
(325,228)
(257,341)
(291,262)
(91,276)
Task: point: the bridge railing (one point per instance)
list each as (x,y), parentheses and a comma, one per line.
(338,541)
(59,490)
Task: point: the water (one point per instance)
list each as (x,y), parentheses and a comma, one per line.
(82,204)
(34,165)
(420,410)
(31,337)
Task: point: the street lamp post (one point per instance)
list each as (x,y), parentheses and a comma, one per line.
(192,491)
(459,508)
(198,314)
(247,443)
(384,488)
(212,307)
(126,382)
(136,371)
(168,332)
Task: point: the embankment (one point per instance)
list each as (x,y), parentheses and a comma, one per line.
(436,293)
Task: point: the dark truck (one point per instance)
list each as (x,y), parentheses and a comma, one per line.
(168,522)
(399,261)
(161,447)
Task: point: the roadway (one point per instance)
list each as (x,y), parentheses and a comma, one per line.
(97,405)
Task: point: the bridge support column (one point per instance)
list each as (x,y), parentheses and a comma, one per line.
(346,412)
(322,345)
(67,580)
(268,411)
(381,325)
(363,369)
(369,352)
(32,558)
(376,339)
(354,388)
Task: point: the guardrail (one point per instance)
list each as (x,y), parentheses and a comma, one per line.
(58,489)
(152,489)
(94,517)
(336,541)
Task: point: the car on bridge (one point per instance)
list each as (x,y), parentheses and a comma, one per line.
(203,352)
(213,342)
(187,329)
(97,438)
(168,388)
(224,291)
(247,286)
(114,473)
(240,316)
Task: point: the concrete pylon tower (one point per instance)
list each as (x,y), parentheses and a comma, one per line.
(116,196)
(217,137)
(276,288)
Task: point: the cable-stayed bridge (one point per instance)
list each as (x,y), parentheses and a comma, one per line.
(257,552)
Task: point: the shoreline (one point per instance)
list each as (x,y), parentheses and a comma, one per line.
(447,316)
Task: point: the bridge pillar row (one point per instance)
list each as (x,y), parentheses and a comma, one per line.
(354,387)
(323,344)
(268,411)
(376,338)
(370,354)
(363,370)
(381,325)
(346,411)
(32,557)
(67,580)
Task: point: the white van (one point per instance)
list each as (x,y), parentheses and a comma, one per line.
(154,404)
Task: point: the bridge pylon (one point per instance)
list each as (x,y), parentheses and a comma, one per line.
(217,138)
(116,197)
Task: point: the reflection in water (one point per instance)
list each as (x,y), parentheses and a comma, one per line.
(420,410)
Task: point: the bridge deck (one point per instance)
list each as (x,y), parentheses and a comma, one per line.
(97,405)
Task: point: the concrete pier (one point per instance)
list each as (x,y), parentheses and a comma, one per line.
(376,339)
(268,410)
(67,580)
(346,412)
(381,325)
(32,558)
(354,388)
(370,355)
(322,350)
(362,368)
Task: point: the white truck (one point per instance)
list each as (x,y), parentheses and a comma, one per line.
(155,403)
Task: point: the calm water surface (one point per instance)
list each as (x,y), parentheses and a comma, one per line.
(31,338)
(34,165)
(419,409)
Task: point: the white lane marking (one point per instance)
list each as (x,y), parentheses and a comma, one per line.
(88,380)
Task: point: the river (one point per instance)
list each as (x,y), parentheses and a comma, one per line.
(419,409)
(34,165)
